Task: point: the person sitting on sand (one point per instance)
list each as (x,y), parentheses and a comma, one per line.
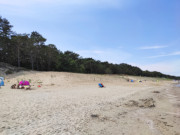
(13,86)
(20,86)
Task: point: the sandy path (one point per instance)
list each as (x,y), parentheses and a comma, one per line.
(68,106)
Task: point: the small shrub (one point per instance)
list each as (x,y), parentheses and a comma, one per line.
(29,80)
(9,72)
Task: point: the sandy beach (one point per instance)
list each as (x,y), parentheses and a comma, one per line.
(73,104)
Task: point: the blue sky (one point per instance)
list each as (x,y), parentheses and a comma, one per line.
(144,33)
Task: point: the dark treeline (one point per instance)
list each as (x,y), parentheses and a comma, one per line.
(31,52)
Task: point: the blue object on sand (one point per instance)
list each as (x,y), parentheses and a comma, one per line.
(100,85)
(2,83)
(132,80)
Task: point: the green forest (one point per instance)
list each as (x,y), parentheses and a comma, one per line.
(31,52)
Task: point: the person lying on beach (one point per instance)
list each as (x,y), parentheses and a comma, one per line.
(27,87)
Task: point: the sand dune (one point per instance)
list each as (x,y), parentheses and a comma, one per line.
(73,104)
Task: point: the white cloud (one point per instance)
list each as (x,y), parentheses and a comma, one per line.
(176,53)
(98,52)
(166,67)
(120,47)
(152,47)
(164,55)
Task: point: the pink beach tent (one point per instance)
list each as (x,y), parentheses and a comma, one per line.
(24,83)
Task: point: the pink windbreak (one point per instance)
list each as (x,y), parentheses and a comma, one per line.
(24,83)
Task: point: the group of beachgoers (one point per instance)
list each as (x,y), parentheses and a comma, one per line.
(22,85)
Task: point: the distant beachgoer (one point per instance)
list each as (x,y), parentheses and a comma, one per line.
(20,86)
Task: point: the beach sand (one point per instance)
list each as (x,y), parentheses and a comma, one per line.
(73,104)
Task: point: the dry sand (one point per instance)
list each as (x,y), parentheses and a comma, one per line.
(73,104)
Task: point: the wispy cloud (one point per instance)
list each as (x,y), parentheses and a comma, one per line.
(164,55)
(110,55)
(34,8)
(120,47)
(60,2)
(166,67)
(98,52)
(152,47)
(90,51)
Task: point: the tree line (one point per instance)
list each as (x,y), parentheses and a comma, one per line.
(31,52)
